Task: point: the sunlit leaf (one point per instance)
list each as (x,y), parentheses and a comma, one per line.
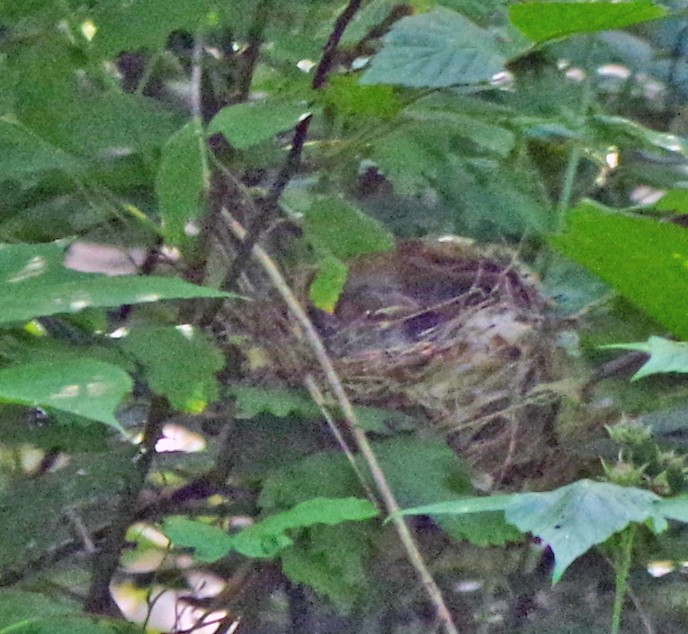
(542,21)
(643,259)
(436,49)
(328,284)
(665,356)
(85,387)
(35,283)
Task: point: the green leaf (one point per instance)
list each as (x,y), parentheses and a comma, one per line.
(675,508)
(35,283)
(345,94)
(644,260)
(145,23)
(84,387)
(328,284)
(180,363)
(437,49)
(571,519)
(250,123)
(181,182)
(574,518)
(266,538)
(24,155)
(89,484)
(252,401)
(542,21)
(335,227)
(334,561)
(464,117)
(210,543)
(19,606)
(665,356)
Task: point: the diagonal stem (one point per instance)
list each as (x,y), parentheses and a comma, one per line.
(390,502)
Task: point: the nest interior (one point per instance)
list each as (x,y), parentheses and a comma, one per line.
(453,333)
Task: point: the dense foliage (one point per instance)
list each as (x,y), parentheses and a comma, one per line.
(187,187)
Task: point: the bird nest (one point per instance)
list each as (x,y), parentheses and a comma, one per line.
(450,332)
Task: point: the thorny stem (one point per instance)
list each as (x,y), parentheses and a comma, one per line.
(392,506)
(621,561)
(99,600)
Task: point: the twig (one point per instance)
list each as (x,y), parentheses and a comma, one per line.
(293,160)
(267,207)
(317,397)
(196,79)
(99,600)
(392,506)
(250,54)
(321,72)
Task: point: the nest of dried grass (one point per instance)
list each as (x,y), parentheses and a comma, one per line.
(451,332)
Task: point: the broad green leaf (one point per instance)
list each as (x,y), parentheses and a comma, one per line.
(266,538)
(574,518)
(335,562)
(345,94)
(112,123)
(644,260)
(252,401)
(479,127)
(675,200)
(571,519)
(665,356)
(675,508)
(335,227)
(20,606)
(328,284)
(180,363)
(145,23)
(542,21)
(181,182)
(247,124)
(25,156)
(34,283)
(437,49)
(84,387)
(210,543)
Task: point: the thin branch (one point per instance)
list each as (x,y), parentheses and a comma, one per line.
(268,205)
(99,600)
(330,48)
(392,506)
(197,79)
(318,399)
(293,160)
(250,54)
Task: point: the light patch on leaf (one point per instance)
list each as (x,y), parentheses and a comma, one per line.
(665,356)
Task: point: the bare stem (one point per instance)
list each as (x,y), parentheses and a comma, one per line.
(391,505)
